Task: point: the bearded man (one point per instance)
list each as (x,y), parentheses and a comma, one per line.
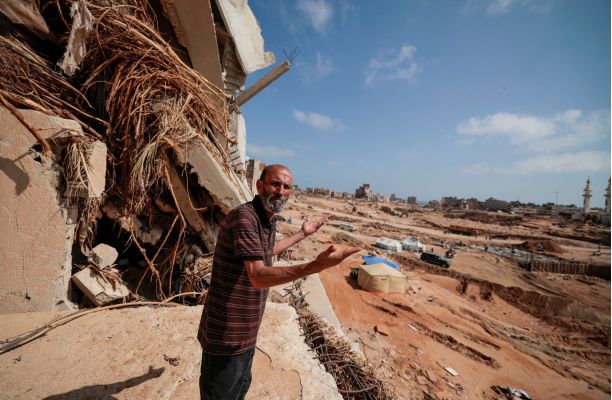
(242,272)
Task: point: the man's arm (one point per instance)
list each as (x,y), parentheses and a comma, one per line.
(262,277)
(308,228)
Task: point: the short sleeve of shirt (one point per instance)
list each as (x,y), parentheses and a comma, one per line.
(246,236)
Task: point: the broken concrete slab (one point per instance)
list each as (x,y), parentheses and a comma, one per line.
(382,329)
(104,255)
(278,333)
(146,233)
(38,225)
(205,229)
(315,296)
(224,186)
(246,32)
(99,291)
(194,27)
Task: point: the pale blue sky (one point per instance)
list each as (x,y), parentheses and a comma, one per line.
(480,98)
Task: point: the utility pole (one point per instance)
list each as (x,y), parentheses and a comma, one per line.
(556,197)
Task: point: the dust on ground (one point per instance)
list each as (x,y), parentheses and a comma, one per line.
(485,318)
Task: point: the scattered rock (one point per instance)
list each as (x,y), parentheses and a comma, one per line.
(451,371)
(98,290)
(104,255)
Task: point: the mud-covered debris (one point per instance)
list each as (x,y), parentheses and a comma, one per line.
(104,255)
(99,290)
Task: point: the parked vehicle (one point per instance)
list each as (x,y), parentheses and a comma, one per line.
(436,259)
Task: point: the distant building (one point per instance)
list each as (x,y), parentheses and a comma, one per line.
(323,192)
(435,204)
(411,200)
(451,202)
(364,192)
(472,204)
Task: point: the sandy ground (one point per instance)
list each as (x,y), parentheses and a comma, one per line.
(485,318)
(548,334)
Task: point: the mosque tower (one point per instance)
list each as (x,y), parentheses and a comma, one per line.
(587,197)
(607,196)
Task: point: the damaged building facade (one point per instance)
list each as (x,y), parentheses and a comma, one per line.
(123,139)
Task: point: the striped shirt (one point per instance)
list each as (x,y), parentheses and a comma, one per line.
(234,308)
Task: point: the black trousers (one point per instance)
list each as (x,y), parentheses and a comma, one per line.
(226,377)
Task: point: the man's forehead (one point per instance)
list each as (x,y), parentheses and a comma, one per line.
(280,173)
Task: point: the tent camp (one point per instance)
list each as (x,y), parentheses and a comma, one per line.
(389,244)
(380,278)
(412,244)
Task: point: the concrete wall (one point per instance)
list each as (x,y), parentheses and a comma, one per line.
(36,232)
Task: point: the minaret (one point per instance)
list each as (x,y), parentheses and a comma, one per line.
(587,197)
(607,196)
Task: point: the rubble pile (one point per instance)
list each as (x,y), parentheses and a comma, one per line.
(149,175)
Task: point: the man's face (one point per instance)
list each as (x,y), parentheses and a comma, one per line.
(275,189)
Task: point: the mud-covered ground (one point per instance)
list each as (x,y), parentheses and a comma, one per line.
(487,319)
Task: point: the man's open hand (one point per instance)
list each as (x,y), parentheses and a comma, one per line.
(310,227)
(334,255)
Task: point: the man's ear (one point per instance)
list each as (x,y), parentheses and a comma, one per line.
(260,186)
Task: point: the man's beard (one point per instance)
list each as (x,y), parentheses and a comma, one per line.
(269,199)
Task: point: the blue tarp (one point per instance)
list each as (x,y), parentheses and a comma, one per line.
(375,260)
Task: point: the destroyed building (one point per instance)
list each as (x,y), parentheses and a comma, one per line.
(121,128)
(364,192)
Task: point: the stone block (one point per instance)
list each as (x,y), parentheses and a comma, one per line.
(99,291)
(104,255)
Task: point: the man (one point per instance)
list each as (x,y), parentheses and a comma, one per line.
(241,275)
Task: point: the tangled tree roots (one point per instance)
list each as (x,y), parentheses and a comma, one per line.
(354,377)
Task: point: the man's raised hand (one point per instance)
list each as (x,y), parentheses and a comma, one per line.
(333,255)
(310,227)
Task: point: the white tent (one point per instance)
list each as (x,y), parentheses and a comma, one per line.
(389,244)
(412,244)
(381,278)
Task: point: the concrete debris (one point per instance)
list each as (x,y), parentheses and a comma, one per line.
(382,329)
(104,255)
(431,376)
(228,191)
(26,13)
(511,393)
(204,228)
(98,290)
(342,225)
(451,371)
(38,226)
